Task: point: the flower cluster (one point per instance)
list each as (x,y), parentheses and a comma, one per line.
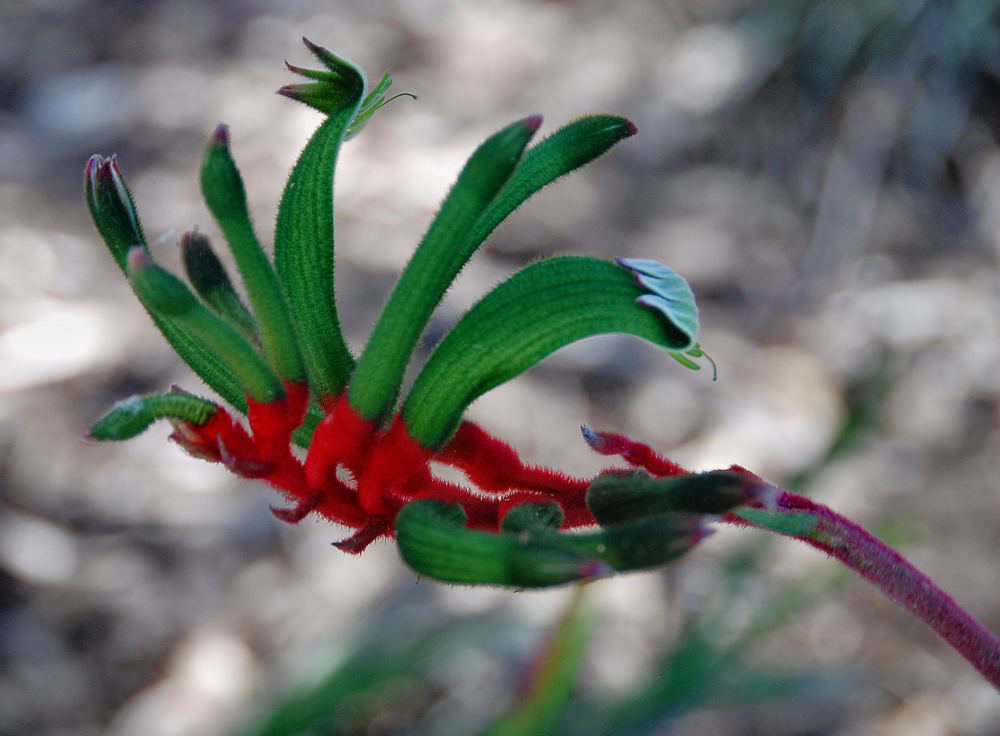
(283,361)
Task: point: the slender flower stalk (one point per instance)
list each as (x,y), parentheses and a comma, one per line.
(884,568)
(798,517)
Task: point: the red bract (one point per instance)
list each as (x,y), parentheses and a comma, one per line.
(359,475)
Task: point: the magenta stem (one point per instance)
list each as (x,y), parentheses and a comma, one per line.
(895,576)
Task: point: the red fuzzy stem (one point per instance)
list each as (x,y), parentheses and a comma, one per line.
(340,505)
(272,425)
(635,453)
(860,551)
(895,576)
(395,467)
(341,438)
(222,439)
(494,466)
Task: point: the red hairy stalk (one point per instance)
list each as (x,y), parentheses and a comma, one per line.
(897,578)
(858,550)
(389,468)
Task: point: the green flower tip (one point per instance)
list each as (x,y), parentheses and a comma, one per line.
(90,175)
(193,242)
(330,60)
(130,411)
(668,294)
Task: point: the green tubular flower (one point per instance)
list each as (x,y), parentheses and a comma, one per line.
(134,415)
(225,195)
(304,237)
(165,295)
(379,375)
(540,309)
(117,220)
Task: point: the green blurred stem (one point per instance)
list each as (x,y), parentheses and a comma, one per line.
(540,709)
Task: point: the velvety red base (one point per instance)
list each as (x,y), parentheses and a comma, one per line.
(360,475)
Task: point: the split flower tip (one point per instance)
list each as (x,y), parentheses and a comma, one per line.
(292,91)
(328,58)
(668,293)
(111,206)
(102,169)
(94,164)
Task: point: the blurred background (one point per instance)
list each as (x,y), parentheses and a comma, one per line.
(825,173)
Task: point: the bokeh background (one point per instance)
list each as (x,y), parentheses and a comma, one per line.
(825,173)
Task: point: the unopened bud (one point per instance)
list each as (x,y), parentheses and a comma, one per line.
(112,207)
(614,498)
(211,282)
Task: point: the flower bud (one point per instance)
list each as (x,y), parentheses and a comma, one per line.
(112,207)
(618,497)
(165,295)
(211,282)
(134,415)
